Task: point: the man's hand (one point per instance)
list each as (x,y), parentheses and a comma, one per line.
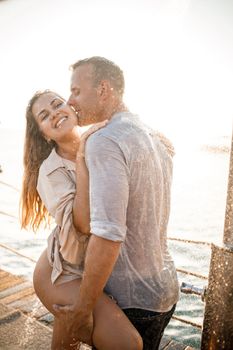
(78,317)
(78,324)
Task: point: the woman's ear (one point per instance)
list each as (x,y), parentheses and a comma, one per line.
(47,139)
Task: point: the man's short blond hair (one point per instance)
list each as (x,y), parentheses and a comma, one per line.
(104,69)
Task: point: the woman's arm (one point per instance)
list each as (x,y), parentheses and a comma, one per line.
(81,206)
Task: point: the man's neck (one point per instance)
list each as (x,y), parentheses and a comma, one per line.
(120,107)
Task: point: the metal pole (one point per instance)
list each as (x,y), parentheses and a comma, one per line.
(218,319)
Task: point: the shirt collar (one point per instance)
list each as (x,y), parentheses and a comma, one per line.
(121,114)
(54,161)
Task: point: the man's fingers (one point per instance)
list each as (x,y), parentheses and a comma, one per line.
(63,309)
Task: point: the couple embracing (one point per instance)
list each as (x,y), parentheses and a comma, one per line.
(106,275)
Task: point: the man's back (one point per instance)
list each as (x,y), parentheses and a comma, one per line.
(130,178)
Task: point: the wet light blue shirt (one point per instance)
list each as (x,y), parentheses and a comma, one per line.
(130,173)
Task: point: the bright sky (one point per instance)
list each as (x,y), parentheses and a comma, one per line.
(177,57)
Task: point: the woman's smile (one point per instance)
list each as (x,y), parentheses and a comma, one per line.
(60,121)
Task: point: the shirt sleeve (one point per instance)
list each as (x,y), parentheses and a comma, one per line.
(109,188)
(57,191)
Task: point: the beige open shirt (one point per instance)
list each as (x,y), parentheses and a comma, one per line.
(66,248)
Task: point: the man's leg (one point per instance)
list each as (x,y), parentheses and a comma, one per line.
(150,325)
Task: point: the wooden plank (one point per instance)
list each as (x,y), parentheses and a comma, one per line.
(17,296)
(173,345)
(17,292)
(28,304)
(10,281)
(4,309)
(20,303)
(164,342)
(40,311)
(31,305)
(22,296)
(47,319)
(20,332)
(15,289)
(2,274)
(10,317)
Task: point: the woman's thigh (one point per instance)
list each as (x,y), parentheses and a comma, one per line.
(112,329)
(48,293)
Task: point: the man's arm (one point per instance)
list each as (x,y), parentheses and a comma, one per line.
(80,315)
(100,260)
(108,175)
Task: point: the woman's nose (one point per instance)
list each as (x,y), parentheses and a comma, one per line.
(54,114)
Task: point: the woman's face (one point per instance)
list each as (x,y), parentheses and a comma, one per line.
(55,118)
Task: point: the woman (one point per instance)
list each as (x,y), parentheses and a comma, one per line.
(55,184)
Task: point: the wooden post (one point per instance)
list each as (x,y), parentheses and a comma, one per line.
(218,319)
(228,226)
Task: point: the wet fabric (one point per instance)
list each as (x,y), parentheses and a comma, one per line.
(150,325)
(130,174)
(66,247)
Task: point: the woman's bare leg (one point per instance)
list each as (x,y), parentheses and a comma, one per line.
(112,329)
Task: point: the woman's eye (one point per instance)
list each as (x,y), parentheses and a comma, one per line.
(44,116)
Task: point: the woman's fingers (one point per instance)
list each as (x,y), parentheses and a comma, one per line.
(85,135)
(93,129)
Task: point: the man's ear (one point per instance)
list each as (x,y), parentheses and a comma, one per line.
(104,89)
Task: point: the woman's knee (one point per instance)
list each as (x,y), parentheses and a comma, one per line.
(129,342)
(136,342)
(132,341)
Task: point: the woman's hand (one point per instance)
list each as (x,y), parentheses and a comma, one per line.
(84,137)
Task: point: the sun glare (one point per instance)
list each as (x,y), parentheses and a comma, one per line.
(176,55)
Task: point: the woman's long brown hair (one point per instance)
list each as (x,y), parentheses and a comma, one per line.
(36,149)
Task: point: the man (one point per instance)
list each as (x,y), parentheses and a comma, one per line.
(130,173)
